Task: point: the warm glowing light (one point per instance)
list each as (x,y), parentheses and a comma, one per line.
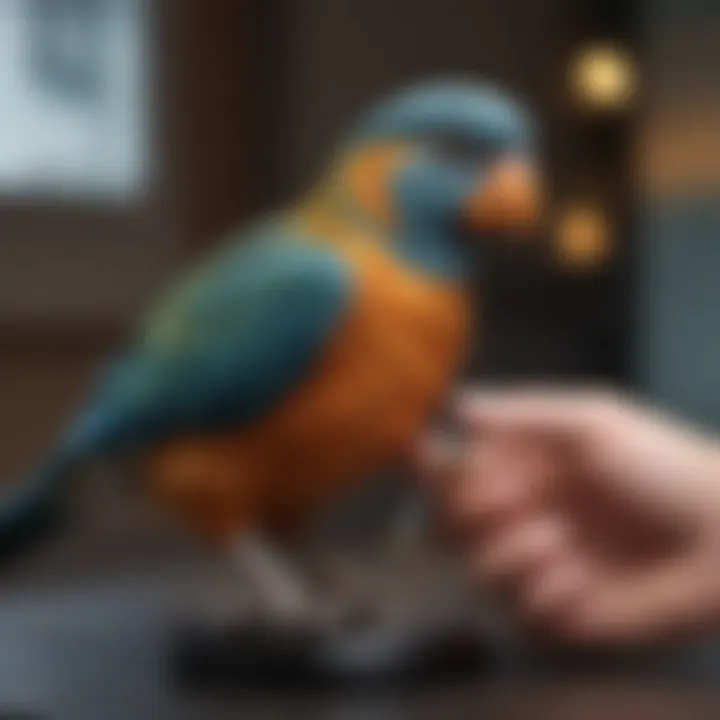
(583,237)
(604,77)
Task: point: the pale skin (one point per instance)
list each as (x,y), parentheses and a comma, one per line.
(593,519)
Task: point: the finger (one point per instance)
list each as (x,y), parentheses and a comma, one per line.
(521,550)
(658,604)
(494,487)
(553,593)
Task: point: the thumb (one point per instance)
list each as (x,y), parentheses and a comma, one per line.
(560,412)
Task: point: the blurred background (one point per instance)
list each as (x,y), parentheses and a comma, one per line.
(133,132)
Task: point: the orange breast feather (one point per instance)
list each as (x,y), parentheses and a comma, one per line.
(384,372)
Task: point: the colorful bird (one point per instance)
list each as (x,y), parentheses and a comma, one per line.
(313,348)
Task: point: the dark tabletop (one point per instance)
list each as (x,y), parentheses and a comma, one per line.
(102,653)
(86,626)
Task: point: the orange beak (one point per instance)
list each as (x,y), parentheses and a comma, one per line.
(507,200)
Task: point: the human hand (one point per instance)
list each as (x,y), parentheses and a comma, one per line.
(595,519)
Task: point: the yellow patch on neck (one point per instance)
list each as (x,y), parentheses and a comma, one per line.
(360,183)
(369,175)
(320,214)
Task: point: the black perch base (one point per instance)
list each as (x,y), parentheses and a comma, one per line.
(266,657)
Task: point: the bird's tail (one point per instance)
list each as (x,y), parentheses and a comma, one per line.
(31,508)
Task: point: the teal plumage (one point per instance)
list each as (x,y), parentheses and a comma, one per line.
(224,346)
(451,108)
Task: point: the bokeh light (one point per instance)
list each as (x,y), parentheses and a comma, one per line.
(604,77)
(583,237)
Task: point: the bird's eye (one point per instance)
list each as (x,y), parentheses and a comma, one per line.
(461,150)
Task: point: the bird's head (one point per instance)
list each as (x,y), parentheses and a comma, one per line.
(444,165)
